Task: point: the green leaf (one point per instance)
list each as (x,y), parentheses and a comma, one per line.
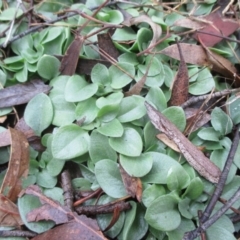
(178,233)
(105,219)
(129,144)
(121,75)
(87,109)
(177,178)
(115,16)
(41,119)
(161,165)
(124,34)
(55,193)
(109,178)
(112,99)
(10,13)
(176,115)
(48,67)
(204,83)
(70,141)
(77,89)
(156,96)
(111,129)
(137,166)
(28,203)
(162,214)
(99,148)
(55,166)
(100,74)
(44,179)
(209,134)
(183,207)
(151,193)
(233,106)
(194,189)
(135,226)
(64,112)
(221,121)
(155,67)
(131,108)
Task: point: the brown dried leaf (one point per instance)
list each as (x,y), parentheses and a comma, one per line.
(197,55)
(139,190)
(70,60)
(72,231)
(191,23)
(219,25)
(24,128)
(195,158)
(157,30)
(115,217)
(180,85)
(129,182)
(21,93)
(18,165)
(78,227)
(105,44)
(162,137)
(9,215)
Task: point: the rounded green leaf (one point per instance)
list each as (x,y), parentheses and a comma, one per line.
(28,203)
(55,166)
(124,34)
(204,83)
(177,178)
(112,99)
(155,67)
(209,134)
(99,148)
(195,188)
(161,165)
(129,144)
(70,141)
(151,193)
(41,119)
(77,89)
(221,121)
(183,207)
(44,179)
(131,108)
(177,116)
(233,107)
(109,178)
(87,109)
(100,74)
(162,214)
(137,166)
(121,75)
(156,96)
(10,14)
(64,112)
(111,129)
(48,67)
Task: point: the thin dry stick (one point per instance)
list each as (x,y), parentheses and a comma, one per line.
(195,233)
(219,188)
(34,29)
(214,95)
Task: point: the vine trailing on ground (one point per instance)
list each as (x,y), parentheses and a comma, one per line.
(82,74)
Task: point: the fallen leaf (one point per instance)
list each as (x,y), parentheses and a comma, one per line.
(170,143)
(3,119)
(192,23)
(75,227)
(18,165)
(219,25)
(22,93)
(70,59)
(9,215)
(180,85)
(195,158)
(24,128)
(106,45)
(157,30)
(129,182)
(197,55)
(115,217)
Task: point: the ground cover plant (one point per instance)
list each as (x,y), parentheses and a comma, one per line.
(119,120)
